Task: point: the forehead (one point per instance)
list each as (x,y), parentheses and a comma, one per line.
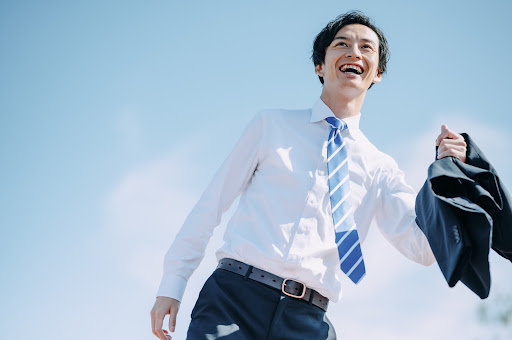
(358,32)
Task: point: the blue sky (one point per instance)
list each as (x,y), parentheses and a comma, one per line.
(105,105)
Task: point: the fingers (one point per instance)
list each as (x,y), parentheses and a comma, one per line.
(443,134)
(157,318)
(447,133)
(458,152)
(172,317)
(451,144)
(162,307)
(167,336)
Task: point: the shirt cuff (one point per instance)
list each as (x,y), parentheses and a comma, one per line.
(173,287)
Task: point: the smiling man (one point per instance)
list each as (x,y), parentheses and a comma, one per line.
(311,184)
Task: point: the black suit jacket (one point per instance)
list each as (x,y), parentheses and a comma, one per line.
(464,210)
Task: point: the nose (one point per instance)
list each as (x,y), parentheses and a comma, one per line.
(354,52)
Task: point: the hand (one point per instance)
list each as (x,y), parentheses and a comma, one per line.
(451,144)
(163,306)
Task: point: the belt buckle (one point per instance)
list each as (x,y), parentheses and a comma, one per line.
(290,294)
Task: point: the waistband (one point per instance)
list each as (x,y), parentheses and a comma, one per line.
(290,287)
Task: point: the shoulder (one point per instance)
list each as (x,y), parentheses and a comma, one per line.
(271,121)
(286,126)
(284,116)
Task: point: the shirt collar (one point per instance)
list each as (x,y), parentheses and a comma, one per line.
(320,111)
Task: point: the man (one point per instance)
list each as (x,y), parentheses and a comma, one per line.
(310,183)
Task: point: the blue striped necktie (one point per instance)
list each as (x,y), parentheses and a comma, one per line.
(347,239)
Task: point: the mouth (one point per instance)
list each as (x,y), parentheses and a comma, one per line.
(351,68)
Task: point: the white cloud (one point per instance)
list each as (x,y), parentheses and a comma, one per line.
(144,212)
(147,208)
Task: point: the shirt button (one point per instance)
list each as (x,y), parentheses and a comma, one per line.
(312,201)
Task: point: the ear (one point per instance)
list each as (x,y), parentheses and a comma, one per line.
(319,70)
(378,77)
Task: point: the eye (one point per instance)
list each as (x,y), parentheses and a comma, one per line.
(341,43)
(368,47)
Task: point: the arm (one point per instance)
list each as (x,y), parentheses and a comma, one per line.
(396,218)
(395,213)
(187,250)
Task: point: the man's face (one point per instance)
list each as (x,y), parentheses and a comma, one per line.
(351,60)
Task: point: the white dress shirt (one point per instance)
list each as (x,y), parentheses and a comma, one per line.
(283,223)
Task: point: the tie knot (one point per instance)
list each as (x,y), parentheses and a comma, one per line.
(336,123)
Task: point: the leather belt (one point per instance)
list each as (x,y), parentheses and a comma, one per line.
(289,287)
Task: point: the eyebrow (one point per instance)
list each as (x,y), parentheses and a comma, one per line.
(345,38)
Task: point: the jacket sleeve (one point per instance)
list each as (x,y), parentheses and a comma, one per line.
(188,248)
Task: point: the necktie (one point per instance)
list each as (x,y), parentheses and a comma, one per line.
(347,239)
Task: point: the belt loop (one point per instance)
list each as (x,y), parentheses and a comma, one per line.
(311,296)
(249,271)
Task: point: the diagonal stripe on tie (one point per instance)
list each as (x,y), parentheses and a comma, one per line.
(336,152)
(343,218)
(340,201)
(348,252)
(346,236)
(355,266)
(338,186)
(340,237)
(351,258)
(358,273)
(334,171)
(344,214)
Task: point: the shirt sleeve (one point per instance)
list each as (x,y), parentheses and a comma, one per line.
(396,218)
(234,175)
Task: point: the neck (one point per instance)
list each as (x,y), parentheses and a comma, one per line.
(342,103)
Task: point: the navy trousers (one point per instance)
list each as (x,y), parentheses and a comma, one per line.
(231,307)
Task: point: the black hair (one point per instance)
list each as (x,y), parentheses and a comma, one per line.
(326,36)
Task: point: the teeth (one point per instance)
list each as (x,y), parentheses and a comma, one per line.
(353,67)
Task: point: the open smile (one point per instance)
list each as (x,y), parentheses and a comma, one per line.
(351,68)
